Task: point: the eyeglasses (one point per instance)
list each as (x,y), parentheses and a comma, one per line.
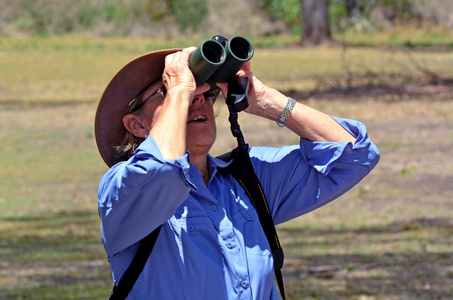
(212,95)
(137,103)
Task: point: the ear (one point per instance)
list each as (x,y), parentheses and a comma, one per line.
(135,125)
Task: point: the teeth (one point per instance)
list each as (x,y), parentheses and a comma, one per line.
(198,118)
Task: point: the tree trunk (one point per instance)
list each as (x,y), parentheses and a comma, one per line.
(351,7)
(316,28)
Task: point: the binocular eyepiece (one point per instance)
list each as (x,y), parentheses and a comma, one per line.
(218,60)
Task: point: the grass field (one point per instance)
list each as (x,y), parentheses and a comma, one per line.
(388,238)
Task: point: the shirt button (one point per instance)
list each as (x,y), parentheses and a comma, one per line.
(213,208)
(244,284)
(250,215)
(191,228)
(229,245)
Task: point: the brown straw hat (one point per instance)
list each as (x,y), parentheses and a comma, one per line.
(124,86)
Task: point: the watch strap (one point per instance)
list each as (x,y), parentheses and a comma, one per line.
(284,116)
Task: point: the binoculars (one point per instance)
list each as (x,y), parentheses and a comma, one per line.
(218,60)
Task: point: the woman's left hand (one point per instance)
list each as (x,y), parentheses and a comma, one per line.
(261,98)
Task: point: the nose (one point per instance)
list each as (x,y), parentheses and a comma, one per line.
(198,98)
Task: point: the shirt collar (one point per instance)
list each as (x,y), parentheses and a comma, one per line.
(214,163)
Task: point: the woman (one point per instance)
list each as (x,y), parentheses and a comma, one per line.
(155,127)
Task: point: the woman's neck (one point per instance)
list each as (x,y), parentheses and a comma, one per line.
(201,162)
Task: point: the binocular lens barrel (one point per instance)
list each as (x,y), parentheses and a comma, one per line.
(240,48)
(206,59)
(215,62)
(213,52)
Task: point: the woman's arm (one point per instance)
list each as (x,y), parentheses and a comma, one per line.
(298,179)
(169,130)
(333,155)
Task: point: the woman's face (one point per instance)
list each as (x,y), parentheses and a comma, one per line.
(201,126)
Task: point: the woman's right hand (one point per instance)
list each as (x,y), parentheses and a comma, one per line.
(177,75)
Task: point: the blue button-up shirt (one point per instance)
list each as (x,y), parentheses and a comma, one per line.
(212,245)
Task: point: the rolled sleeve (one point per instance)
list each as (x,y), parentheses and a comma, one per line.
(148,151)
(300,179)
(323,156)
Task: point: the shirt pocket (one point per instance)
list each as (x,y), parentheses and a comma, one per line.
(200,241)
(259,256)
(247,221)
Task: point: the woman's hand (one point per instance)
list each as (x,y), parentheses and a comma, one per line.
(263,101)
(177,74)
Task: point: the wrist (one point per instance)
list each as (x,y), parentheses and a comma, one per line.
(273,106)
(179,94)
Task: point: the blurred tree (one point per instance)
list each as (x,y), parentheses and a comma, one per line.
(315,21)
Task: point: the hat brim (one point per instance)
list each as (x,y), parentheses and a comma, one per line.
(124,86)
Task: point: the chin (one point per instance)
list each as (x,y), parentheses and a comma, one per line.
(200,144)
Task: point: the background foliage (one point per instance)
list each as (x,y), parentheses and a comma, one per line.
(179,17)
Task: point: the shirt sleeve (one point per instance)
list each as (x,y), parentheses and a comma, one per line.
(138,195)
(298,179)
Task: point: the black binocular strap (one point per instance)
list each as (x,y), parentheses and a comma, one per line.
(242,170)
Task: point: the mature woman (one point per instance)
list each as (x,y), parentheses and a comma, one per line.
(155,127)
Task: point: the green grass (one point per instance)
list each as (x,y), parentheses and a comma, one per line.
(388,238)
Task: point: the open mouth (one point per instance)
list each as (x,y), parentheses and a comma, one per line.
(198,118)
